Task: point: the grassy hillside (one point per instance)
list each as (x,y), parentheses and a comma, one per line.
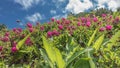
(91,40)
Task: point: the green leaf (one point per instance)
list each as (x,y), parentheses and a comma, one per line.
(77,54)
(20,43)
(53,54)
(49,50)
(98,42)
(92,37)
(82,63)
(92,65)
(113,40)
(59,59)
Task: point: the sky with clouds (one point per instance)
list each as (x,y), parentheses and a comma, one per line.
(42,10)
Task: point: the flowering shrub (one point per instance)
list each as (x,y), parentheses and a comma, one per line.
(85,42)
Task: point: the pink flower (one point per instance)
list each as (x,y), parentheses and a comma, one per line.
(29,25)
(111,16)
(95,19)
(60,27)
(1,48)
(108,27)
(5,39)
(28,41)
(31,29)
(37,23)
(58,21)
(14,29)
(7,34)
(42,28)
(104,15)
(19,29)
(67,22)
(117,19)
(14,44)
(52,19)
(88,24)
(83,19)
(14,49)
(49,34)
(63,19)
(55,32)
(78,24)
(102,29)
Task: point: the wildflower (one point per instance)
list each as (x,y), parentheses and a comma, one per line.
(49,34)
(78,24)
(102,29)
(31,29)
(60,27)
(88,24)
(37,23)
(5,39)
(52,19)
(1,48)
(67,22)
(63,19)
(28,41)
(58,22)
(14,44)
(55,32)
(14,29)
(95,19)
(7,34)
(19,29)
(103,15)
(42,28)
(14,49)
(108,27)
(29,25)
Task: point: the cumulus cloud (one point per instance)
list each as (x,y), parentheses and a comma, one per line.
(59,16)
(26,4)
(76,6)
(53,11)
(112,4)
(58,3)
(35,17)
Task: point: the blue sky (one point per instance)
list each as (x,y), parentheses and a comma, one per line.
(42,10)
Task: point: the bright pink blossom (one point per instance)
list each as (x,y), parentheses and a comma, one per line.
(95,19)
(58,21)
(88,24)
(1,48)
(102,29)
(60,27)
(28,41)
(55,32)
(104,15)
(52,19)
(14,49)
(42,28)
(49,34)
(7,34)
(108,27)
(5,39)
(78,24)
(31,29)
(29,25)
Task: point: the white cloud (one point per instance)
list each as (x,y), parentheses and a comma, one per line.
(112,4)
(76,6)
(35,17)
(53,11)
(26,4)
(59,16)
(58,3)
